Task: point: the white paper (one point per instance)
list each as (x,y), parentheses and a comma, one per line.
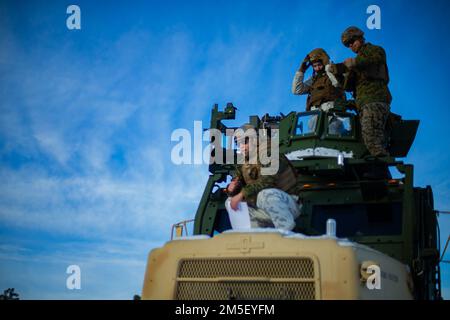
(240,219)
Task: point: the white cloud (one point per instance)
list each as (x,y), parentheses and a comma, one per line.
(123,96)
(99,207)
(67,113)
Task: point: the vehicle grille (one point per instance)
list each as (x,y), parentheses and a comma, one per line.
(250,278)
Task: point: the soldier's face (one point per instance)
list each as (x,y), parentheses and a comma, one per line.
(317,66)
(356,45)
(244,148)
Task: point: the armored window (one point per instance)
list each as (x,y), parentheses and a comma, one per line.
(355,220)
(307,124)
(339,125)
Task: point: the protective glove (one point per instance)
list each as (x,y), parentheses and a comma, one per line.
(332,68)
(305,64)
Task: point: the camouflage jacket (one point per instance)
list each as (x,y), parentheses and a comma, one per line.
(253,181)
(372,76)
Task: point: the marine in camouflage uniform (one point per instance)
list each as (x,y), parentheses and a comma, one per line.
(271,198)
(368,79)
(323,88)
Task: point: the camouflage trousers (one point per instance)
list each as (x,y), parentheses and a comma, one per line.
(274,208)
(373,118)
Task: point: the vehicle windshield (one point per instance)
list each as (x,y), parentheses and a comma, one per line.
(306,123)
(373,219)
(339,125)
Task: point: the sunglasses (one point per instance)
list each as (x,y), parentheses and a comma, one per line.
(350,42)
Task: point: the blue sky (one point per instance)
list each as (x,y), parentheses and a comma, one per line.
(86,117)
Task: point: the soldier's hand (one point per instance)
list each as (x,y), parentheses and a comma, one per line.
(232,186)
(332,68)
(350,62)
(305,64)
(234,203)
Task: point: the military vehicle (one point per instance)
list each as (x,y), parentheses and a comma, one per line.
(383,224)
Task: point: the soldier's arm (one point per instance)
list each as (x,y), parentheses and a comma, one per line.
(338,69)
(344,75)
(300,87)
(237,174)
(264,182)
(335,80)
(373,55)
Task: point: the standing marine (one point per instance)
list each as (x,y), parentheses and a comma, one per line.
(271,198)
(368,79)
(323,88)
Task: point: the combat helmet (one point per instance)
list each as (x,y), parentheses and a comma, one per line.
(319,54)
(351,34)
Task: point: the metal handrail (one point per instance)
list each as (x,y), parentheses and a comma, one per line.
(179,227)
